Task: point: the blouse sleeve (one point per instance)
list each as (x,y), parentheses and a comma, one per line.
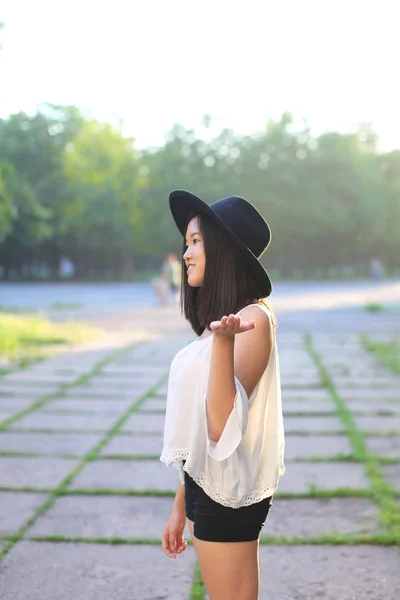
(235,426)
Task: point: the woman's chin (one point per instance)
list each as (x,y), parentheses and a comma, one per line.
(194,282)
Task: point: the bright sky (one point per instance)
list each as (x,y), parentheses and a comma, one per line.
(156,62)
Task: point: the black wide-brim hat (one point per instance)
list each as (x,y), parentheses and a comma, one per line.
(238,218)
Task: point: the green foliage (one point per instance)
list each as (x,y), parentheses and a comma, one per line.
(387,352)
(73,187)
(24,340)
(374,307)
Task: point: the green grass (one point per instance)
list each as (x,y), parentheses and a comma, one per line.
(374,307)
(124,492)
(333,539)
(197,591)
(380,491)
(387,352)
(65,305)
(26,339)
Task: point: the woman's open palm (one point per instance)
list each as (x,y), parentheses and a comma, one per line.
(231,325)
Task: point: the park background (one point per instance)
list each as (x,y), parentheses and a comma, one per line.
(104,109)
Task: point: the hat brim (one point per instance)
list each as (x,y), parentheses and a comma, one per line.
(183,204)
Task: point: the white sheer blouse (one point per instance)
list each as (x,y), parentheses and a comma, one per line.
(244,466)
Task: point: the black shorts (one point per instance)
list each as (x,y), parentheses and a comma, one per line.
(214,522)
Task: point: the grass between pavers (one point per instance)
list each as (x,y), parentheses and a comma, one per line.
(312,493)
(128,457)
(334,539)
(26,339)
(38,454)
(381,492)
(26,489)
(84,431)
(366,432)
(124,492)
(387,352)
(88,457)
(63,388)
(197,590)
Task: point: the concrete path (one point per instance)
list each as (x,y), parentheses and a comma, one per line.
(84,497)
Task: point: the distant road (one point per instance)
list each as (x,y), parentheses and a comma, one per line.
(111,297)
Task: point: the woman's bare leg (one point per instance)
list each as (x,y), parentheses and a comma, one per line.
(230,570)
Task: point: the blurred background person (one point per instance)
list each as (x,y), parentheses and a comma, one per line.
(376,269)
(171,272)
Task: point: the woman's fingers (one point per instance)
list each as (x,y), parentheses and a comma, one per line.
(172,543)
(166,544)
(231,325)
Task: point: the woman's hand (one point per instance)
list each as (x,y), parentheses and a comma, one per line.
(230,326)
(172,537)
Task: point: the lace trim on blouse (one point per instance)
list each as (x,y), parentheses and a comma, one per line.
(221,498)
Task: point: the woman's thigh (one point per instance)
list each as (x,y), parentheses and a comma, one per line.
(229,569)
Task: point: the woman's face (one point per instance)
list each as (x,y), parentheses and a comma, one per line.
(195,257)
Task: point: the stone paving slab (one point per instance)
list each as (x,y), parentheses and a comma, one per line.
(306,395)
(112,384)
(113,370)
(14,403)
(139,445)
(5,414)
(303,476)
(298,385)
(33,393)
(364,369)
(41,420)
(329,573)
(144,422)
(127,475)
(115,406)
(46,367)
(300,382)
(392,475)
(30,389)
(386,447)
(16,509)
(66,571)
(161,392)
(308,518)
(326,446)
(307,406)
(44,378)
(145,517)
(85,391)
(106,516)
(365,393)
(34,472)
(155,404)
(378,423)
(313,424)
(374,407)
(374,382)
(298,369)
(134,376)
(77,444)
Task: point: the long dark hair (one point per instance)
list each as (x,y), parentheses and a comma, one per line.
(229,282)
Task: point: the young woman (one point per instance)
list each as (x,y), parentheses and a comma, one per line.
(223,425)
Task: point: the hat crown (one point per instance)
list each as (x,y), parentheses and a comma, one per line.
(244,220)
(238,218)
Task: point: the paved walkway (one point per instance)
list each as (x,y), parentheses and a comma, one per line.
(84,498)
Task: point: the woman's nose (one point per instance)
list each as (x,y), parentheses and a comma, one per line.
(186,253)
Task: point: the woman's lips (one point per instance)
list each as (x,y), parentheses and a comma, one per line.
(190,267)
